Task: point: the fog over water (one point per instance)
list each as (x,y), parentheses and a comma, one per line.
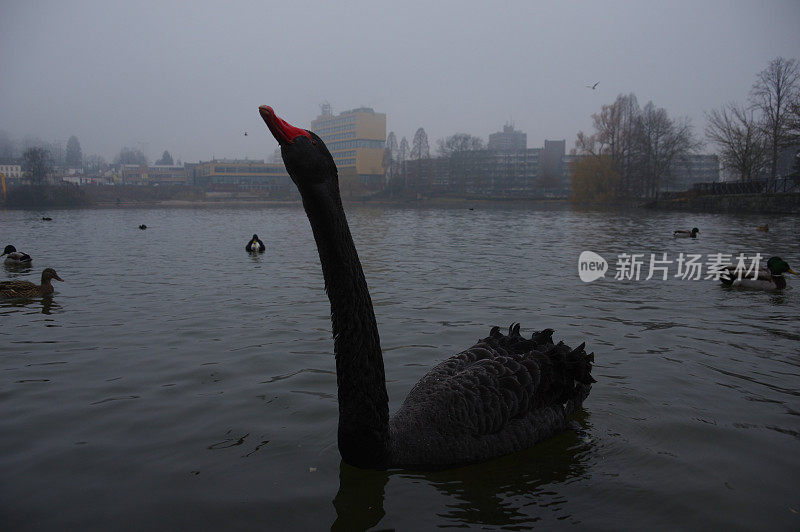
(188,77)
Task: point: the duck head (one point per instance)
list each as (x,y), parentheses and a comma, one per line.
(306,157)
(778,266)
(48,274)
(8,249)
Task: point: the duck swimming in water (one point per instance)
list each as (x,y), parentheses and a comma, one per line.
(682,233)
(502,395)
(16,258)
(769,278)
(255,245)
(24,289)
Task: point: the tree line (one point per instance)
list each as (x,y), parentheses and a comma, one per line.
(632,150)
(751,135)
(39,159)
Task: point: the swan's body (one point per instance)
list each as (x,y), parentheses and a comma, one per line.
(25,289)
(681,233)
(255,245)
(16,258)
(502,395)
(769,278)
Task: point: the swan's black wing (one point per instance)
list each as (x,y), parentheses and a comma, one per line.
(503,394)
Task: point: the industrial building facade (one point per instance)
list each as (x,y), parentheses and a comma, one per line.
(508,169)
(695,168)
(234,175)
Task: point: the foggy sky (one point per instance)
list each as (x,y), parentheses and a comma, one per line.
(188,77)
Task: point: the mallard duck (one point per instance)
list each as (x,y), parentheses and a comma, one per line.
(142,227)
(255,245)
(763,228)
(682,233)
(16,258)
(18,288)
(769,278)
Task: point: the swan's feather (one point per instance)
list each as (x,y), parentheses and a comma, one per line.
(505,392)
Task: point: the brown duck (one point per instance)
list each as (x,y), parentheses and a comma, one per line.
(28,289)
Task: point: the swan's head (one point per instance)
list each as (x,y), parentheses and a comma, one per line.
(778,266)
(306,157)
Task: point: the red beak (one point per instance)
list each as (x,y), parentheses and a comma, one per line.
(284,132)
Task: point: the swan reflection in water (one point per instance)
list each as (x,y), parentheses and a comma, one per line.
(513,490)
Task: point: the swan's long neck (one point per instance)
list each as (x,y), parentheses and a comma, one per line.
(363,403)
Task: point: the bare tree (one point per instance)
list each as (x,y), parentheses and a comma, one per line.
(94,164)
(390,155)
(130,156)
(419,147)
(402,155)
(6,146)
(740,140)
(660,143)
(73,157)
(772,94)
(457,143)
(793,120)
(166,159)
(613,137)
(37,164)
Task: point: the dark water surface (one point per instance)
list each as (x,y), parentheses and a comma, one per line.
(175,382)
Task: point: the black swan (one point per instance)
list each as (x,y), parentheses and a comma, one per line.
(255,245)
(500,396)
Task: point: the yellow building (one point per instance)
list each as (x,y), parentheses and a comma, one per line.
(356,139)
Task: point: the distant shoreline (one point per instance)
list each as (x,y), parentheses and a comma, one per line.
(783,203)
(426,202)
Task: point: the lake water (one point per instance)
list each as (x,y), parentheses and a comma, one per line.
(176,382)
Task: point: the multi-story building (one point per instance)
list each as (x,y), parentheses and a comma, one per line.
(11,169)
(233,175)
(508,140)
(356,140)
(167,175)
(486,173)
(554,175)
(695,168)
(141,174)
